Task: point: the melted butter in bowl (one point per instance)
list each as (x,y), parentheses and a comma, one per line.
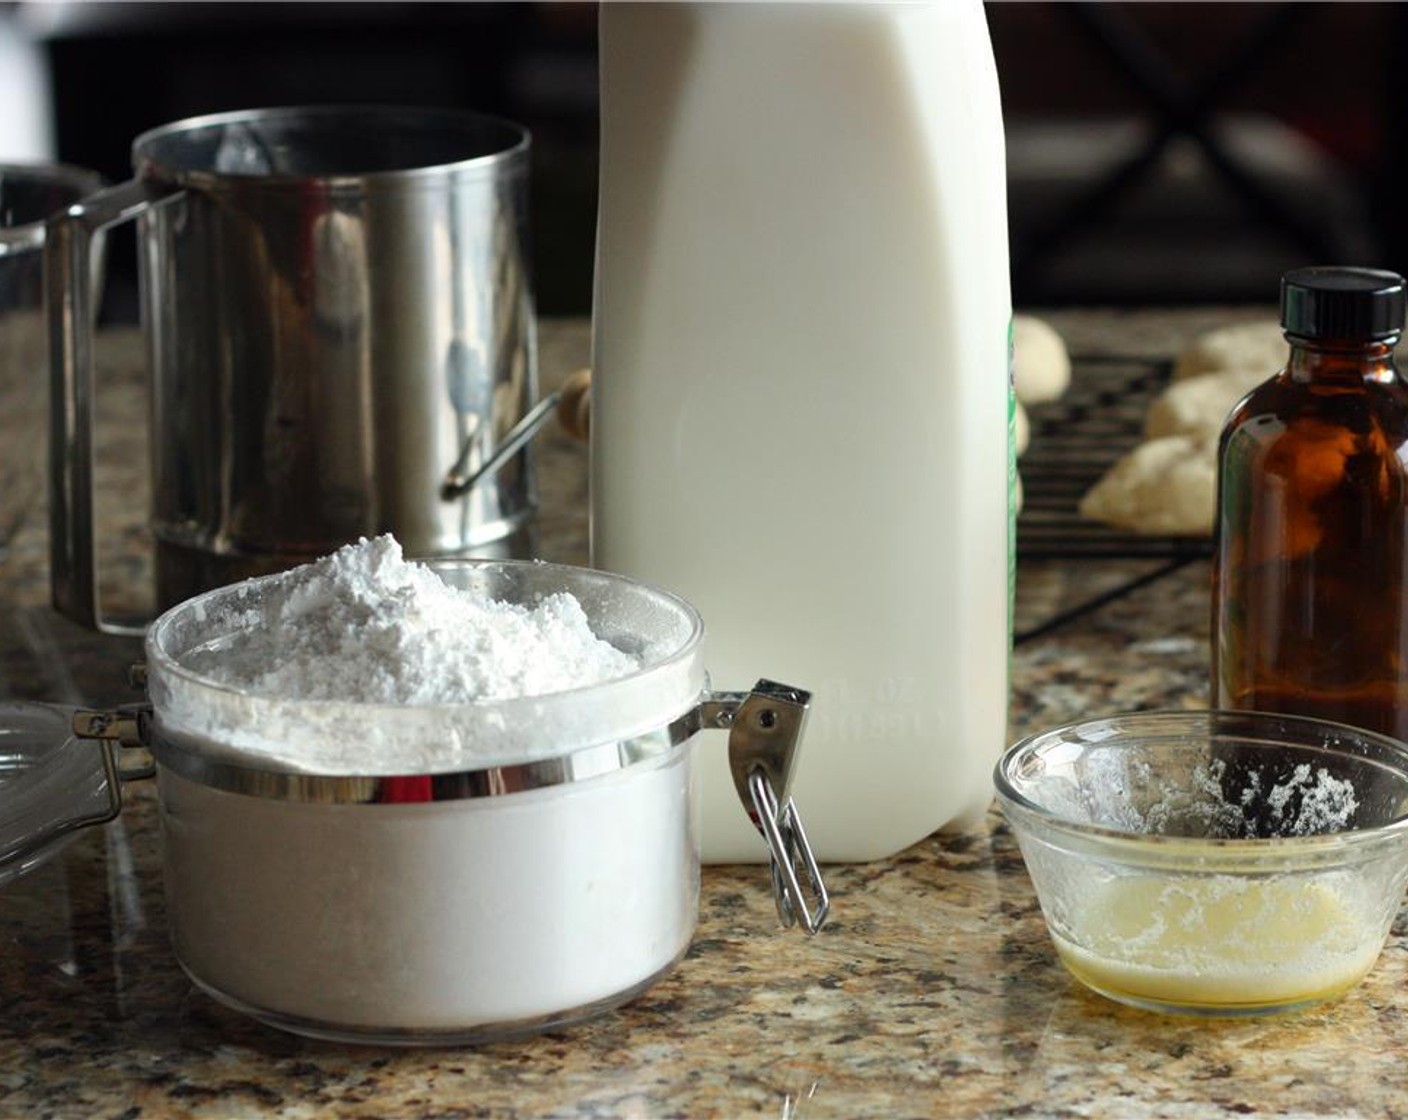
(1221,943)
(1216,863)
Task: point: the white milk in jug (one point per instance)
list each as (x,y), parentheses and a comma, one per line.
(800,385)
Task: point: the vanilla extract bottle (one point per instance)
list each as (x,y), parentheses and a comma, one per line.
(1311,556)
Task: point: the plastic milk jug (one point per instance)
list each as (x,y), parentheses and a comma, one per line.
(801,402)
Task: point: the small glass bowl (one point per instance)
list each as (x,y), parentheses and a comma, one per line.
(1212,863)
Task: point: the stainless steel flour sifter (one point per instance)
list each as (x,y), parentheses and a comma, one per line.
(338,312)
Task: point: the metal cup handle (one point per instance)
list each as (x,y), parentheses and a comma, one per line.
(71,285)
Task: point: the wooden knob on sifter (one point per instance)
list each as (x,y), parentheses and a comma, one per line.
(574,404)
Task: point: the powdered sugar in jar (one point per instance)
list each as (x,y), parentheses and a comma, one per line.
(360,844)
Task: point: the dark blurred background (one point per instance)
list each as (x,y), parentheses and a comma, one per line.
(1158,152)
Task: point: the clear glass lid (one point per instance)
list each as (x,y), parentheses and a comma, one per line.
(51,784)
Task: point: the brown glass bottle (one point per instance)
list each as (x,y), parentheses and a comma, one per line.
(1310,575)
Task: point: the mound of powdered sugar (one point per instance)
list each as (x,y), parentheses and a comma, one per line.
(364,624)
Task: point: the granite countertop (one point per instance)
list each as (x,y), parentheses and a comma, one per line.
(934,990)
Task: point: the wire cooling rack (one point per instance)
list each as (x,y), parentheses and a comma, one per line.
(1074,441)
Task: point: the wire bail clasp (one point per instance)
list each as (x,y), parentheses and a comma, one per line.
(127,726)
(765,731)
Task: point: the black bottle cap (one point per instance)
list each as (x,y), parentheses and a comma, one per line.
(1348,303)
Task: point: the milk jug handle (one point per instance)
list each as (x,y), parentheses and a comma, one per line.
(72,279)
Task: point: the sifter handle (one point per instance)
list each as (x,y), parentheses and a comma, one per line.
(71,283)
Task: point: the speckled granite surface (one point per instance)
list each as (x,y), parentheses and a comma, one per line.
(933,992)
